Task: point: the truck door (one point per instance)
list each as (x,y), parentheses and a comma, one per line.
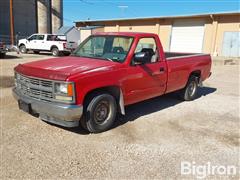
(39,42)
(146,80)
(31,41)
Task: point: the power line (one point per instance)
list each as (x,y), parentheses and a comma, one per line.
(118,5)
(86,2)
(122,7)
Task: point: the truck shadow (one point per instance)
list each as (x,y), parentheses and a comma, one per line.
(10,57)
(6,81)
(133,112)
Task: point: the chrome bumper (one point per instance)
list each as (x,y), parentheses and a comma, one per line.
(60,114)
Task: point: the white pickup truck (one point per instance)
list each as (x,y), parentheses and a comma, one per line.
(57,44)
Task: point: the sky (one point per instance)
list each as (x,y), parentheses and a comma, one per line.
(74,10)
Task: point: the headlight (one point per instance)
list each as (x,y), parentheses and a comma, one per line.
(61,88)
(64,91)
(16,78)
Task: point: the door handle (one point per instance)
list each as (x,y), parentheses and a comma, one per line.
(161,69)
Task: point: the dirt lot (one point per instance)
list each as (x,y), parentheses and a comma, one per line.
(149,142)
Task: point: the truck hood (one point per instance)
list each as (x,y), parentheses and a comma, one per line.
(22,41)
(62,68)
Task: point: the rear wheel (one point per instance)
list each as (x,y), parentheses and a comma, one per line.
(189,93)
(23,49)
(55,51)
(99,113)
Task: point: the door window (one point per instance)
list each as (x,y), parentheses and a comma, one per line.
(40,37)
(148,45)
(33,37)
(56,38)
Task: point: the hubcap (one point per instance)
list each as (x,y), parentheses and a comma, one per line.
(101,112)
(192,88)
(23,50)
(54,52)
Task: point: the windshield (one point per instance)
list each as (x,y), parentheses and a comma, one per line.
(112,48)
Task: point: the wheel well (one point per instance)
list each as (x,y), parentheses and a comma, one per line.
(196,73)
(21,45)
(53,47)
(112,90)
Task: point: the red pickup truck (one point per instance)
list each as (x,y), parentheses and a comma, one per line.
(107,72)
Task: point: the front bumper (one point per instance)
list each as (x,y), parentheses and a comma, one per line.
(59,114)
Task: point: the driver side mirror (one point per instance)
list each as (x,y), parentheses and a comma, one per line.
(141,58)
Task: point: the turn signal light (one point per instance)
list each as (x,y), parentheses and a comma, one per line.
(70,89)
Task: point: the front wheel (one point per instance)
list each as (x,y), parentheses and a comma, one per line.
(189,93)
(99,113)
(23,49)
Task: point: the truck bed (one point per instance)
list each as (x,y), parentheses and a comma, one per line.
(174,55)
(180,65)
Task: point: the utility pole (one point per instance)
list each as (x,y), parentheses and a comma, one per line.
(11,22)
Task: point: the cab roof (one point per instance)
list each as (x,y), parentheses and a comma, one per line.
(132,34)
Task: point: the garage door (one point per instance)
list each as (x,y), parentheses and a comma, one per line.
(231,44)
(187,36)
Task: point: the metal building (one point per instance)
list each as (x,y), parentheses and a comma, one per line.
(21,18)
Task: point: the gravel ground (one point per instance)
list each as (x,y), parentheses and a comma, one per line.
(149,142)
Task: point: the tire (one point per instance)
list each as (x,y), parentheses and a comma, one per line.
(99,113)
(190,91)
(55,51)
(2,55)
(23,49)
(36,52)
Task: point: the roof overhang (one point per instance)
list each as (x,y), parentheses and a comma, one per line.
(90,27)
(82,23)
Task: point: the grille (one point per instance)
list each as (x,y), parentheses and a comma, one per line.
(35,88)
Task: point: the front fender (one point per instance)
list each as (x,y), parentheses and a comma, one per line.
(82,92)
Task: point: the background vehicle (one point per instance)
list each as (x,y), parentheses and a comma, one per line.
(3,50)
(45,42)
(107,72)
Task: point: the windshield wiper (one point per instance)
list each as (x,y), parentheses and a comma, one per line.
(109,59)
